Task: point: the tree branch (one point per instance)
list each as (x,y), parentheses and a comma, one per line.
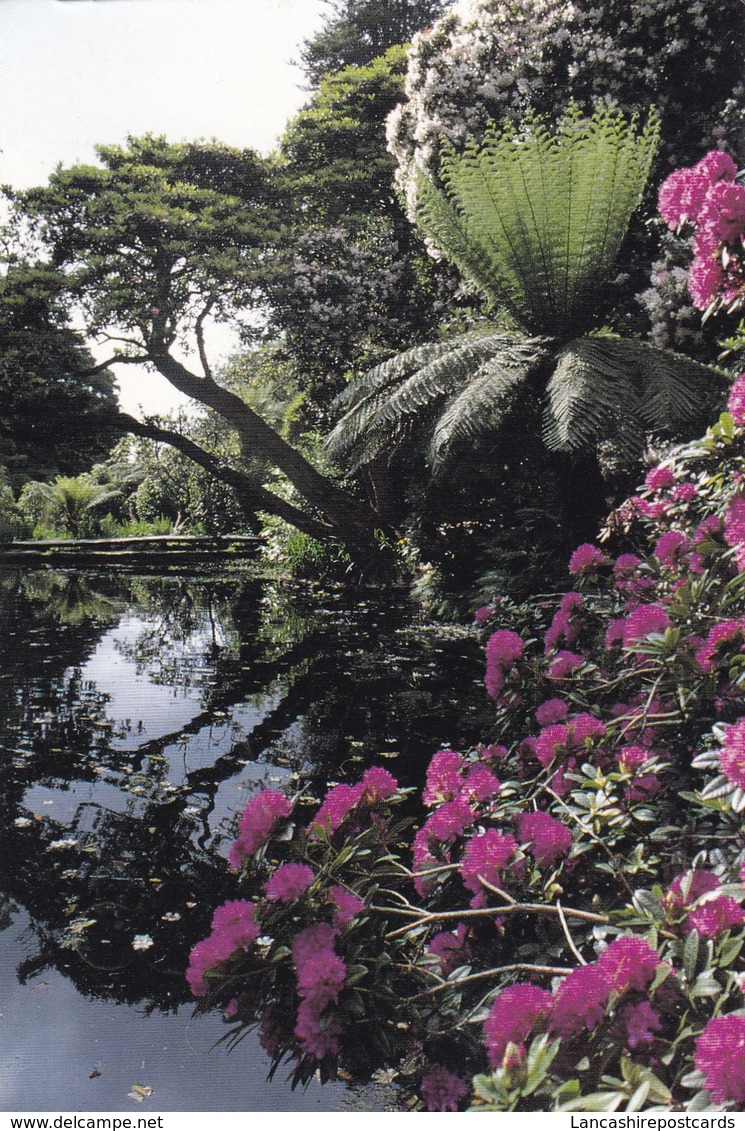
(251,496)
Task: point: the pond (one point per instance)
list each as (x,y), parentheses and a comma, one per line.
(139,714)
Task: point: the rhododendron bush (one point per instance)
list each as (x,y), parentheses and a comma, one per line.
(554,920)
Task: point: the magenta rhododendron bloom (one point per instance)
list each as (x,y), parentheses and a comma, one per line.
(715,916)
(564,626)
(630,758)
(289,882)
(586,557)
(234,927)
(443,777)
(727,632)
(485,857)
(734,529)
(321,974)
(683,193)
(449,947)
(483,614)
(629,963)
(642,622)
(736,401)
(687,887)
(480,785)
(732,754)
(337,804)
(513,1017)
(659,478)
(442,1090)
(553,742)
(720,1055)
(503,649)
(551,711)
(260,818)
(565,663)
(348,905)
(639,1023)
(549,839)
(580,1001)
(670,547)
(377,785)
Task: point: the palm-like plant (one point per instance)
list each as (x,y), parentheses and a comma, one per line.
(534,223)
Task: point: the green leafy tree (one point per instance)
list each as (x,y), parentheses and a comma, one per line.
(54,412)
(357,31)
(534,224)
(151,245)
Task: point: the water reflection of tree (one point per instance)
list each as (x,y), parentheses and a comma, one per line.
(338,678)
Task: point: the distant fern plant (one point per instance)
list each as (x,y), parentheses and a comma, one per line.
(534,223)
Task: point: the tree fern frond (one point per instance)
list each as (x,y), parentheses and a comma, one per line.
(535,222)
(481,406)
(376,419)
(675,391)
(591,398)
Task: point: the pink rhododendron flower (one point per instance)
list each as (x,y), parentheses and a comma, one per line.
(483,614)
(503,649)
(442,1090)
(688,886)
(720,1055)
(512,1018)
(639,1022)
(348,905)
(377,785)
(234,927)
(659,478)
(586,557)
(580,1002)
(734,529)
(449,821)
(630,758)
(726,632)
(642,622)
(480,785)
(564,625)
(551,711)
(548,838)
(337,804)
(712,918)
(289,882)
(565,663)
(736,402)
(629,963)
(685,493)
(553,742)
(449,947)
(318,1035)
(671,547)
(319,936)
(260,818)
(485,856)
(732,754)
(443,777)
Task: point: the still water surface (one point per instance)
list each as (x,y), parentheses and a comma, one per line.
(137,716)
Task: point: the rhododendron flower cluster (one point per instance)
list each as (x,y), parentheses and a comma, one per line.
(321,974)
(234,927)
(720,1055)
(260,817)
(708,197)
(503,650)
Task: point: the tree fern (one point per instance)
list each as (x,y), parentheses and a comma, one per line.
(536,221)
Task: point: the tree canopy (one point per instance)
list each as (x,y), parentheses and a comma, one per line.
(55,412)
(357,31)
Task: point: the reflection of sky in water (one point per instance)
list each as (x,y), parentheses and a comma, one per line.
(50,1046)
(153,709)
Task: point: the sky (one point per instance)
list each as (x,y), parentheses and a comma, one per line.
(74,73)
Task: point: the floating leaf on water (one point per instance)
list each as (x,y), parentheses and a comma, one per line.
(77,926)
(140,1092)
(54,845)
(96,1072)
(171,916)
(142,942)
(23,822)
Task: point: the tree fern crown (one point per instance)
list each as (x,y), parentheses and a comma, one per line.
(535,222)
